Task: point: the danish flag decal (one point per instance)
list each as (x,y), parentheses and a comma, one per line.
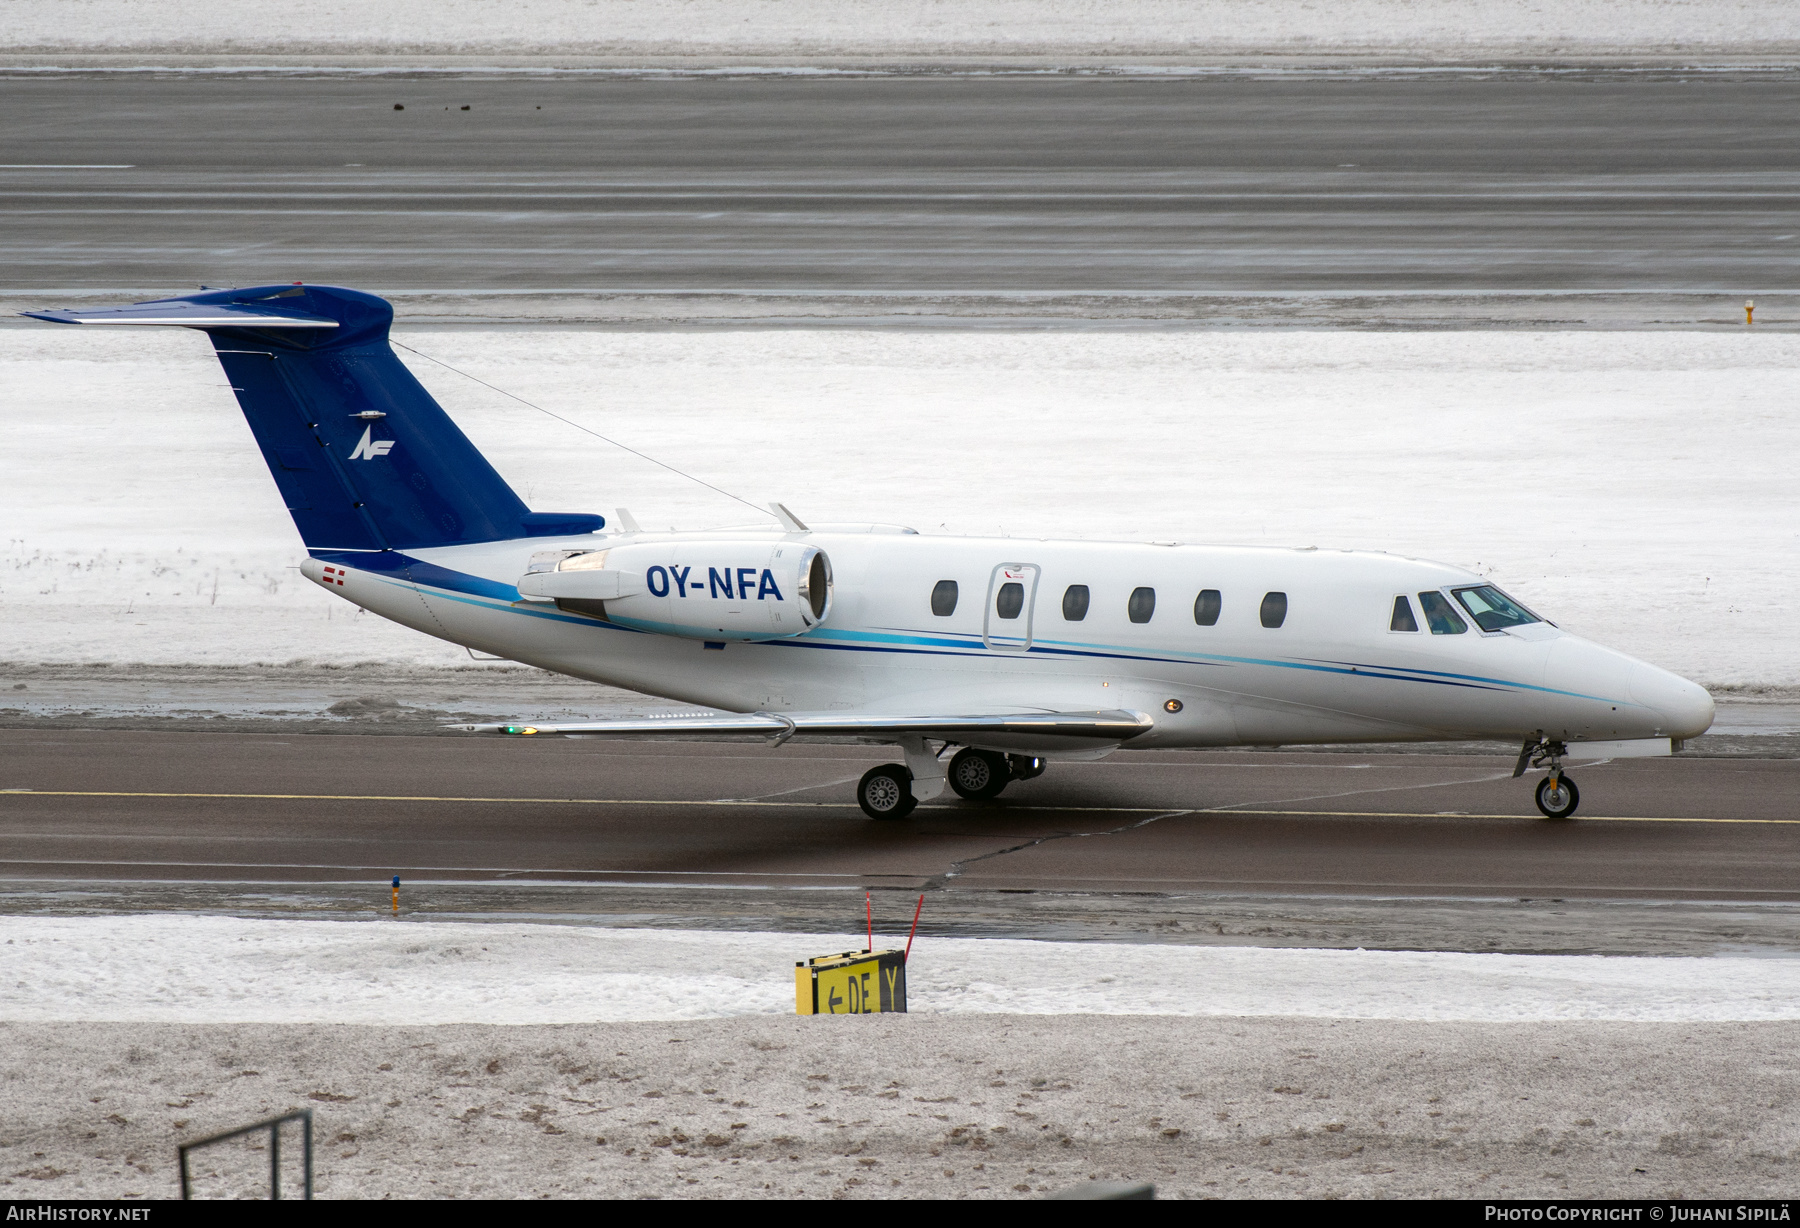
(335,575)
(369,449)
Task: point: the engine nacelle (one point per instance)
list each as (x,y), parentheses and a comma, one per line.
(699,589)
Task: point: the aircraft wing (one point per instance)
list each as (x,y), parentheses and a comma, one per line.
(1113,726)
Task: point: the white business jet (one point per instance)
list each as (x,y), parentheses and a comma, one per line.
(1011,653)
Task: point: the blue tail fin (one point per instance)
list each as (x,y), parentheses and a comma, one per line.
(363,456)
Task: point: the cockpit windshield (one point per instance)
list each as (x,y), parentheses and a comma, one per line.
(1492,609)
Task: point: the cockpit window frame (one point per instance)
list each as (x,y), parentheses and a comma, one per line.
(1403,601)
(1456,594)
(1451,607)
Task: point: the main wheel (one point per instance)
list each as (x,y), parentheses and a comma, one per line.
(1558,801)
(978,774)
(1025,767)
(885,792)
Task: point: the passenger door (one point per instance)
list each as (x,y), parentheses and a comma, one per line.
(1011,600)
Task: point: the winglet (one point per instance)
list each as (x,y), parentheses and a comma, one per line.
(789,521)
(627,522)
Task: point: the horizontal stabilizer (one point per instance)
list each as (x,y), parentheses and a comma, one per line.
(364,458)
(1100,726)
(185,313)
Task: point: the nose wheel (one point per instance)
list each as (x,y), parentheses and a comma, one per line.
(1557,796)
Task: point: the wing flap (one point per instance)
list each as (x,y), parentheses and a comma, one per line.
(1112,726)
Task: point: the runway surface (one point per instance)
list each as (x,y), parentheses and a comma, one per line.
(234,808)
(933,185)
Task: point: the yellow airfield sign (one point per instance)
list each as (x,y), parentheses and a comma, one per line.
(852,983)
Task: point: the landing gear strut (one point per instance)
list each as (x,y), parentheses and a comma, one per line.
(1557,795)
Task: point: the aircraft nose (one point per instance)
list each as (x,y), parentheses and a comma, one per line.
(1685,706)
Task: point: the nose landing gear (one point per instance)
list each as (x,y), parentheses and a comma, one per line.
(1557,795)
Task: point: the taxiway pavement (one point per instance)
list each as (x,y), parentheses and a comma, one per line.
(233,808)
(1496,184)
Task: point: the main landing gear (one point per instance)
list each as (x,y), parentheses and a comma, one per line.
(886,792)
(980,775)
(1557,795)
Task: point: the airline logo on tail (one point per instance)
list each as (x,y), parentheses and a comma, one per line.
(368,448)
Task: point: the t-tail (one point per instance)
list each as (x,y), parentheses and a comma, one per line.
(362,455)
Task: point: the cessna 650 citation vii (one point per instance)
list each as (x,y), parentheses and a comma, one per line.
(1012,652)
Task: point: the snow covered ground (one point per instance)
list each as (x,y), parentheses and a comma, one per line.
(170,968)
(451,1059)
(911,1106)
(823,28)
(1636,487)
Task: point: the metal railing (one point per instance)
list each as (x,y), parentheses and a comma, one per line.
(273,1126)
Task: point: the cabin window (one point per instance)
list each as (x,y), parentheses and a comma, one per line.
(1274,609)
(1075,602)
(1206,607)
(1142,605)
(1403,619)
(943,598)
(1010,599)
(1440,615)
(1492,609)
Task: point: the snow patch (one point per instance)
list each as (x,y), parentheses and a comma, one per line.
(825,28)
(185,969)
